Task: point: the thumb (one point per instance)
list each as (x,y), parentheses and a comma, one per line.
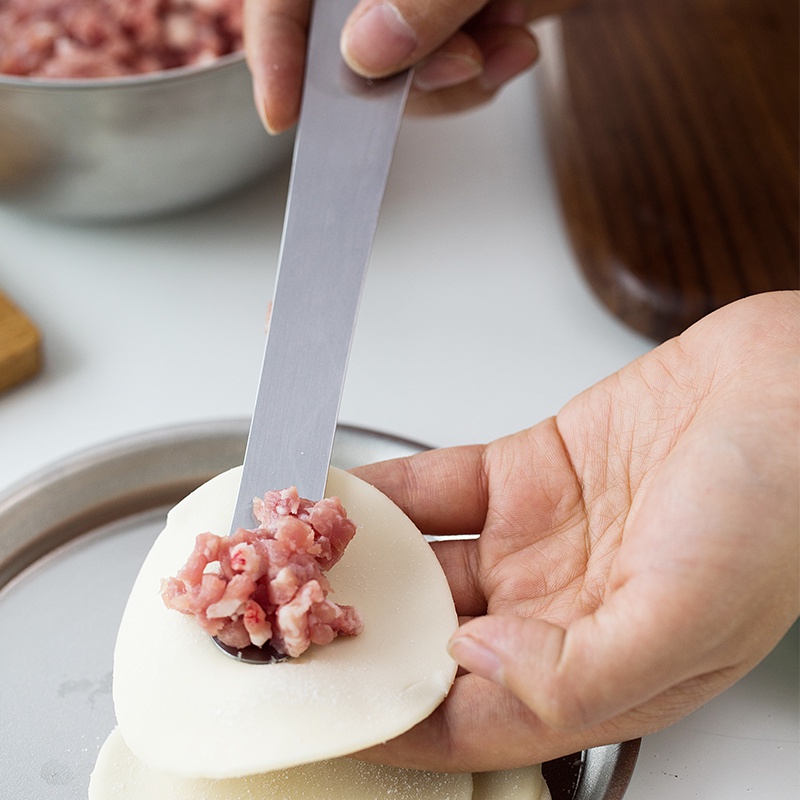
(599,667)
(383,37)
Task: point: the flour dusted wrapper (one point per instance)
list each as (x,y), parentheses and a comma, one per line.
(119,775)
(524,783)
(184,708)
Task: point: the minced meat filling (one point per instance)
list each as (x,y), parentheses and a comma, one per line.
(109,38)
(268,584)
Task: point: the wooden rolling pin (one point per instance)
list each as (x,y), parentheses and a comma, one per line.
(673,130)
(20,345)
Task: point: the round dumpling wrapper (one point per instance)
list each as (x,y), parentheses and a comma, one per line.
(186,708)
(119,775)
(524,783)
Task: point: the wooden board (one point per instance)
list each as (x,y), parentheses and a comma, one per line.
(20,345)
(673,129)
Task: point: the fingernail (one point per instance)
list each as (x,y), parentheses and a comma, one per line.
(445,70)
(505,63)
(261,108)
(476,657)
(380,40)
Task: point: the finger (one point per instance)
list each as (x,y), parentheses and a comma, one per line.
(631,650)
(275,37)
(507,52)
(457,61)
(460,562)
(443,491)
(469,70)
(382,37)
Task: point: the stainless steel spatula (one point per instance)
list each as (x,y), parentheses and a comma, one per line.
(343,149)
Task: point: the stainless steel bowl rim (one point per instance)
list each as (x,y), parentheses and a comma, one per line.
(120,81)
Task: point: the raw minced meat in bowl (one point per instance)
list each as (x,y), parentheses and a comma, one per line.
(113,109)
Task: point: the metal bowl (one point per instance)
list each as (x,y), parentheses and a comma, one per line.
(118,148)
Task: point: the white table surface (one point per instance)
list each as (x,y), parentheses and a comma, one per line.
(474,323)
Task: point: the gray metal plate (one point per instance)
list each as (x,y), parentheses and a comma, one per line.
(72,539)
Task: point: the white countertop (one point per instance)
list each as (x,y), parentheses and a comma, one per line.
(474,323)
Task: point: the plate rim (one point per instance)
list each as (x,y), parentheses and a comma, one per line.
(606,769)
